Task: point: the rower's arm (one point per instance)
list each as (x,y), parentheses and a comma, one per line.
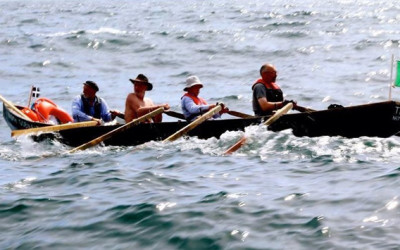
(267,106)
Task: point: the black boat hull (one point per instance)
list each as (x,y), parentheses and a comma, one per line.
(154,131)
(373,120)
(15,121)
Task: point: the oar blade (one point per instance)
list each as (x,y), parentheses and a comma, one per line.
(236,146)
(272,119)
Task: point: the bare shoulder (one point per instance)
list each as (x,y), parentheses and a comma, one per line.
(148,101)
(132,98)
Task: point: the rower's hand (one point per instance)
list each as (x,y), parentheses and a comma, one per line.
(165,106)
(290,101)
(211,106)
(224,109)
(115,113)
(96,120)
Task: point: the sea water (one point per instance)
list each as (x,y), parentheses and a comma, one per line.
(277,192)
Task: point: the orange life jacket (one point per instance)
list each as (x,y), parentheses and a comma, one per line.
(273,94)
(197,100)
(271,85)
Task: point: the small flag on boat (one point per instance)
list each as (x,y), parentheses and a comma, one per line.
(397,81)
(35,92)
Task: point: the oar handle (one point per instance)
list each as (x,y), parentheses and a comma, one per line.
(15,109)
(279,113)
(117,130)
(195,123)
(120,115)
(174,114)
(53,128)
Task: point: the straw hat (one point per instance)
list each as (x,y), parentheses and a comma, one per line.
(142,79)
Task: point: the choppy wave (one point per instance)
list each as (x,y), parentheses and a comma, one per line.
(277,191)
(101,30)
(260,142)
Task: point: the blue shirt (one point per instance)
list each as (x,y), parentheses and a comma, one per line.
(79,115)
(191,110)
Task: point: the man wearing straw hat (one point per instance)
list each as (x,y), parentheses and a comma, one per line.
(137,105)
(193,105)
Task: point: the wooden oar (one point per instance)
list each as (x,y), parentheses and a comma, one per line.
(239,114)
(167,112)
(15,109)
(53,128)
(195,123)
(303,109)
(231,112)
(175,114)
(272,119)
(120,115)
(117,130)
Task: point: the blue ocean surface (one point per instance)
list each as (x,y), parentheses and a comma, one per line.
(277,192)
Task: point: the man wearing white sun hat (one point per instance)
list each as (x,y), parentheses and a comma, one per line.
(193,105)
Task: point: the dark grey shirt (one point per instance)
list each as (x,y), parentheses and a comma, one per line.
(259,91)
(272,95)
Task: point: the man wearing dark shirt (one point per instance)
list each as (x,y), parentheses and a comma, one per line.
(89,107)
(267,95)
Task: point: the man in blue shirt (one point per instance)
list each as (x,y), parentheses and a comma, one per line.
(89,107)
(192,105)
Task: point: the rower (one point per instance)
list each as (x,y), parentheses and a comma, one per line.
(267,95)
(193,105)
(137,105)
(89,107)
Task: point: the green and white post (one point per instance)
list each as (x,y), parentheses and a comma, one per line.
(396,83)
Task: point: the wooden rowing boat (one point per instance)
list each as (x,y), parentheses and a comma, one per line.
(380,119)
(136,135)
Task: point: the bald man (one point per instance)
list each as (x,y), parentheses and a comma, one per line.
(267,95)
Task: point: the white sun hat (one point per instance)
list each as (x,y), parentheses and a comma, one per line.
(192,81)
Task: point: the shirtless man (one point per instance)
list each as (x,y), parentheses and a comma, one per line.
(137,105)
